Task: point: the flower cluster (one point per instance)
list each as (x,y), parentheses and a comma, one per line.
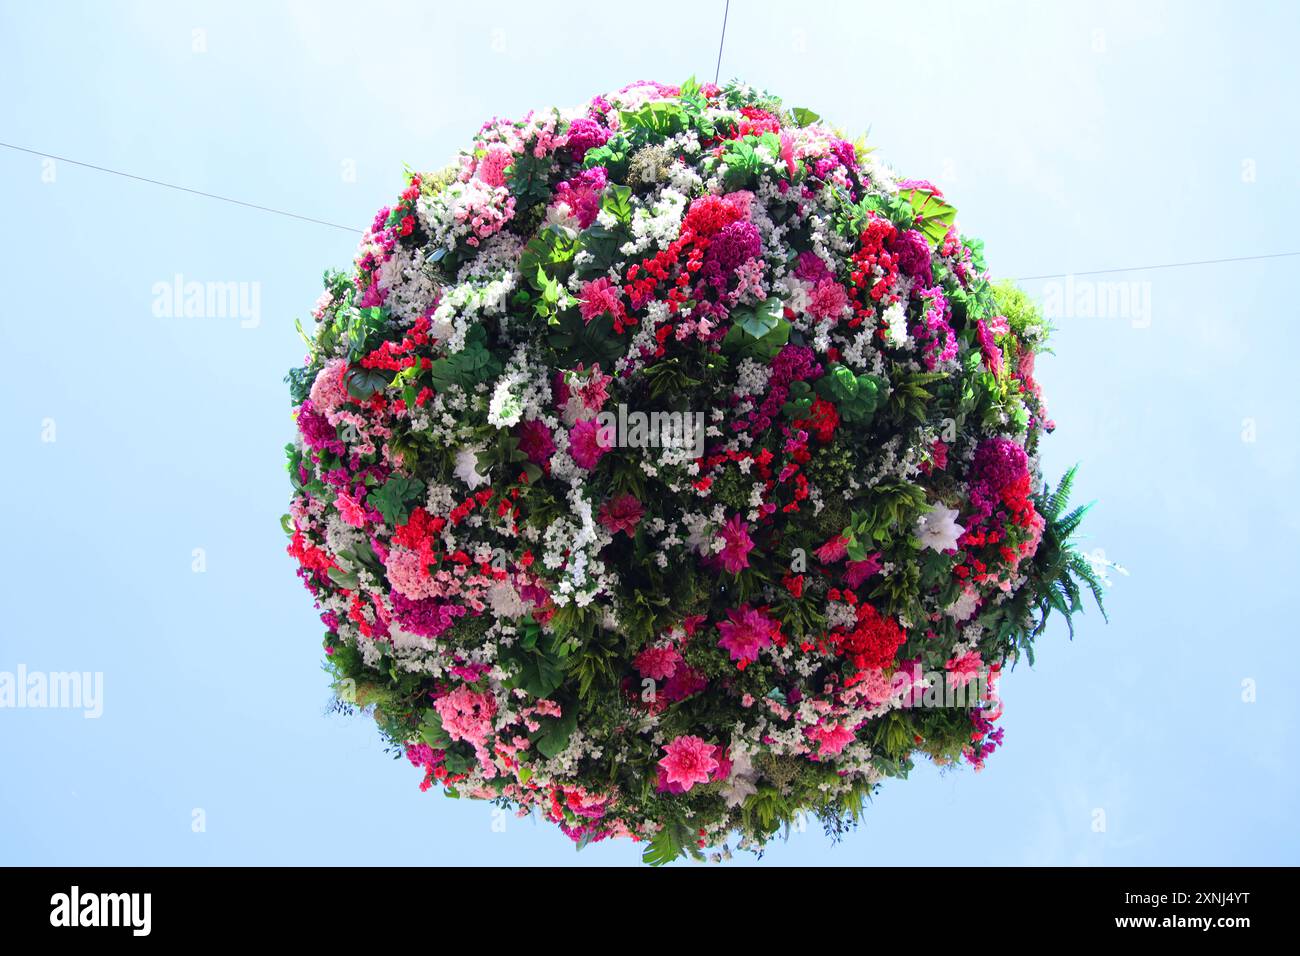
(674,637)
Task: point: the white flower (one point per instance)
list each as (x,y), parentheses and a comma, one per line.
(896,319)
(964,606)
(938,528)
(467,467)
(740,784)
(505,409)
(505,600)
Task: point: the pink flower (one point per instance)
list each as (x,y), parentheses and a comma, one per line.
(349,510)
(659,663)
(598,297)
(329,390)
(466,714)
(989,346)
(737,544)
(621,514)
(747,632)
(586,445)
(833,550)
(859,571)
(492,167)
(962,670)
(831,739)
(689,760)
(595,391)
(828,300)
(535,441)
(787,152)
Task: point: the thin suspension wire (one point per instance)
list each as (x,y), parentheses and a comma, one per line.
(718,71)
(335,225)
(184,189)
(1163,265)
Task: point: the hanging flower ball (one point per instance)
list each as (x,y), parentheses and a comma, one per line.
(670,465)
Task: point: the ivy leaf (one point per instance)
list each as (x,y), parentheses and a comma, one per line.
(527,178)
(392,498)
(618,202)
(558,730)
(344,579)
(761,319)
(432,732)
(364,382)
(934,217)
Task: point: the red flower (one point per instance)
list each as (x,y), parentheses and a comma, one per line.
(873,642)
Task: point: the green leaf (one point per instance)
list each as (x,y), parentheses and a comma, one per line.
(804,117)
(527,178)
(934,216)
(432,733)
(759,333)
(762,318)
(668,844)
(392,499)
(558,730)
(364,382)
(344,579)
(618,202)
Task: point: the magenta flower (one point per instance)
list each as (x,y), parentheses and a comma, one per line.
(989,346)
(535,441)
(859,571)
(585,443)
(737,544)
(833,550)
(832,739)
(747,632)
(621,514)
(659,663)
(598,297)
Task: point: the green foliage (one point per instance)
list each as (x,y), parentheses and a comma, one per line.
(893,505)
(576,340)
(1062,571)
(742,342)
(653,121)
(362,383)
(537,660)
(362,330)
(395,498)
(527,179)
(675,840)
(1024,317)
(856,397)
(910,399)
(466,368)
(744,162)
(934,217)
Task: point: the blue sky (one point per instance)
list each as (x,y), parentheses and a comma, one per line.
(1070,137)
